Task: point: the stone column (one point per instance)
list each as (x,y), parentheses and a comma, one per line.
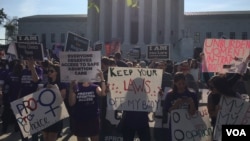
(181,19)
(167,30)
(141,23)
(114,18)
(154,22)
(127,26)
(90,24)
(102,20)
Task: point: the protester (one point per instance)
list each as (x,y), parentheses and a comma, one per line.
(170,66)
(31,77)
(13,80)
(190,81)
(119,61)
(166,83)
(85,114)
(4,99)
(180,97)
(194,69)
(222,85)
(135,122)
(51,133)
(105,125)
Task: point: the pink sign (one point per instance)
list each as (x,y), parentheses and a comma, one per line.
(225,55)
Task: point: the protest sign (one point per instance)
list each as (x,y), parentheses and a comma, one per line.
(98,47)
(26,51)
(76,42)
(39,110)
(134,53)
(80,66)
(112,47)
(186,127)
(234,111)
(158,52)
(134,89)
(225,55)
(27,39)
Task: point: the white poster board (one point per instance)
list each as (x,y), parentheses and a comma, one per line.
(134,89)
(188,127)
(233,111)
(80,66)
(39,110)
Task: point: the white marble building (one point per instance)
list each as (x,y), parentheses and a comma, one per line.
(151,22)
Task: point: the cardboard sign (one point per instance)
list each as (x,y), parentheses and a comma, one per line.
(76,42)
(188,127)
(134,89)
(98,47)
(80,66)
(234,111)
(39,110)
(225,55)
(26,51)
(158,52)
(134,53)
(27,39)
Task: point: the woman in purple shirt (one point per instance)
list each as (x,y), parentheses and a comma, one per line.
(85,110)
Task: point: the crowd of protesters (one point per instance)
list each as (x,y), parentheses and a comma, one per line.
(19,78)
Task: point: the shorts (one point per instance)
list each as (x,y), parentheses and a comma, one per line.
(86,128)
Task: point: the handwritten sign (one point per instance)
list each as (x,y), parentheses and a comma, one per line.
(158,51)
(197,127)
(75,42)
(233,111)
(225,55)
(39,110)
(26,51)
(134,89)
(112,47)
(80,66)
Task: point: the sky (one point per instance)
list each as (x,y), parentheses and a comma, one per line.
(23,8)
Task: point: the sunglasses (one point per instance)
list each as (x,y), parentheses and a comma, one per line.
(51,71)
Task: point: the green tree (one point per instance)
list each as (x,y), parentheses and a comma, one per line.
(3,16)
(11,26)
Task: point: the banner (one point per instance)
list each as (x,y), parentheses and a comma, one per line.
(39,110)
(76,42)
(80,66)
(26,51)
(158,52)
(134,89)
(225,55)
(186,127)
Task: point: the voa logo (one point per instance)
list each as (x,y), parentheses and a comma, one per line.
(236,132)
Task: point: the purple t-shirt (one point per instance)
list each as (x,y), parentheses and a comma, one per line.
(86,106)
(27,85)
